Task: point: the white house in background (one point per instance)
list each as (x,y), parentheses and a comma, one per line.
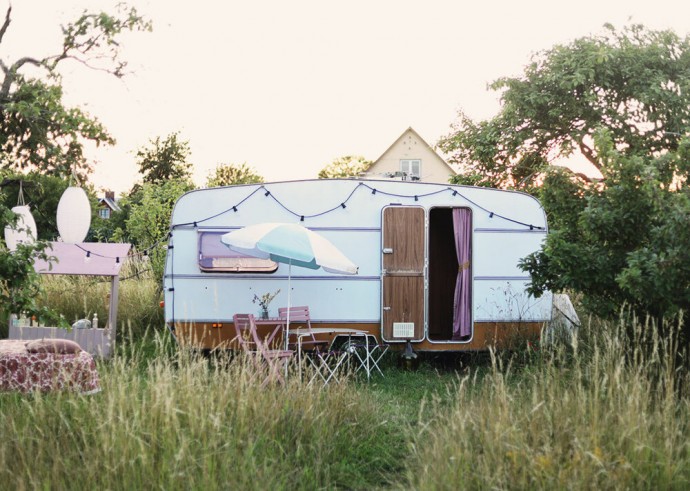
(107,205)
(411,158)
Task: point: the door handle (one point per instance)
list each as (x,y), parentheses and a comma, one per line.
(388,250)
(386,308)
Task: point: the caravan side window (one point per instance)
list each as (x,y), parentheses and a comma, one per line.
(216,257)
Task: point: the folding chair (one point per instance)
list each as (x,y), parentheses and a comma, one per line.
(316,350)
(249,340)
(300,315)
(371,356)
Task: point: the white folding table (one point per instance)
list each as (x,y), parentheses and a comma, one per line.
(338,331)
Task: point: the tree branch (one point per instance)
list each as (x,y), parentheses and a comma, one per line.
(589,155)
(11,72)
(5,24)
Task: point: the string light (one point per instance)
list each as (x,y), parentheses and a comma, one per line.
(343,205)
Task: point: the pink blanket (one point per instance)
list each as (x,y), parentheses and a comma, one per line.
(25,372)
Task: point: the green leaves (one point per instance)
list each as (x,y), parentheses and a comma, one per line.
(38,132)
(347,166)
(165,159)
(228,174)
(92,38)
(634,82)
(148,222)
(623,242)
(39,135)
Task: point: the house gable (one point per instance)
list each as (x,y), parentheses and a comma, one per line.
(107,205)
(409,155)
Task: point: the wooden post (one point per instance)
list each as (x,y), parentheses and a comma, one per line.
(112,312)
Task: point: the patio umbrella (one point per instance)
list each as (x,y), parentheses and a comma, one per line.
(291,244)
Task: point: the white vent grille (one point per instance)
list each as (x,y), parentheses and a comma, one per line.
(403,329)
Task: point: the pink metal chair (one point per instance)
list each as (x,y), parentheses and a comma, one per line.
(324,361)
(259,349)
(300,315)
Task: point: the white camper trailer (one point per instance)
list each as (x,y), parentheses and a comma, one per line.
(438,264)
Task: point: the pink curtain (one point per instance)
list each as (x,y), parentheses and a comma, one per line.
(462,318)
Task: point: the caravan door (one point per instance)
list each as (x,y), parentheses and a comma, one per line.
(402,271)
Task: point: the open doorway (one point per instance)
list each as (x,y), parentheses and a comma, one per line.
(450,270)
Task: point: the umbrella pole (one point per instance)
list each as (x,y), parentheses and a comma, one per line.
(287,329)
(287,326)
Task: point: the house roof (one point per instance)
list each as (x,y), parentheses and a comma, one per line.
(411,130)
(110,203)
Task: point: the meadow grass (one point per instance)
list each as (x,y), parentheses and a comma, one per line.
(607,408)
(610,411)
(77,297)
(190,422)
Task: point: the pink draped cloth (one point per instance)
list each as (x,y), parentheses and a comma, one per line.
(26,372)
(462,316)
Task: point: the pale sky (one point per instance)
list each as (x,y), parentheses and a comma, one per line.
(288,86)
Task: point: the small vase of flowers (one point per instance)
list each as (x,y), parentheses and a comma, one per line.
(263,302)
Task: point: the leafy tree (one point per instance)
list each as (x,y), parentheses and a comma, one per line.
(347,166)
(19,283)
(621,100)
(148,223)
(103,230)
(623,242)
(37,132)
(227,174)
(634,82)
(164,160)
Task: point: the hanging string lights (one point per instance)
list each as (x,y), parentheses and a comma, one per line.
(343,205)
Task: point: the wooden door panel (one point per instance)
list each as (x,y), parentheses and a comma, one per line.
(403,269)
(403,233)
(403,301)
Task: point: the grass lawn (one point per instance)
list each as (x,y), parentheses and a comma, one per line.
(600,413)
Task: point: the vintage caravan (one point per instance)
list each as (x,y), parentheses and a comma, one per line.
(438,264)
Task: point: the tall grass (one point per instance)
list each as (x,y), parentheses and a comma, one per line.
(608,408)
(186,422)
(610,411)
(78,297)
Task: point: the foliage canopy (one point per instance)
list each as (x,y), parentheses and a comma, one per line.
(228,174)
(41,136)
(347,166)
(621,100)
(37,132)
(635,82)
(165,159)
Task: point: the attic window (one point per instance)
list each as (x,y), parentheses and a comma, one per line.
(412,168)
(216,257)
(104,213)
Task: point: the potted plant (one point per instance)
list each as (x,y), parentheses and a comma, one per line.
(263,302)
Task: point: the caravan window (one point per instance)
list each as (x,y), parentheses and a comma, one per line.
(214,256)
